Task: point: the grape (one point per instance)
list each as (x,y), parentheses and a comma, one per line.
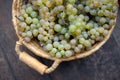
(33,14)
(87,9)
(80,7)
(29,10)
(49,47)
(35,21)
(60,47)
(63,31)
(77,50)
(56,44)
(35,32)
(72,28)
(68,53)
(28,20)
(102,20)
(40,37)
(27,39)
(57,28)
(67,46)
(67,35)
(54,51)
(58,55)
(29,34)
(73,42)
(65,28)
(71,18)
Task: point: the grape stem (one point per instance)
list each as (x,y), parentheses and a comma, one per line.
(19,19)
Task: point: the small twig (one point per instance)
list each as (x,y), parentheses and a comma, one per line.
(19,19)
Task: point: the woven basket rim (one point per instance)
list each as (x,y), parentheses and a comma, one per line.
(38,50)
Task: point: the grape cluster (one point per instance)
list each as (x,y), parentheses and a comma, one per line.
(67,27)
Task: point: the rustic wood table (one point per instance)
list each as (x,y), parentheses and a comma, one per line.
(103,65)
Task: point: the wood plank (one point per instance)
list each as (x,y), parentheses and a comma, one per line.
(4,69)
(103,65)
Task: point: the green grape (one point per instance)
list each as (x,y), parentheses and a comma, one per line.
(72,28)
(29,10)
(73,42)
(81,40)
(33,14)
(58,55)
(32,26)
(27,39)
(71,18)
(71,1)
(103,20)
(54,51)
(49,47)
(68,53)
(61,47)
(29,34)
(59,2)
(57,28)
(80,7)
(28,20)
(74,11)
(77,50)
(62,52)
(35,32)
(67,46)
(67,35)
(93,12)
(63,31)
(24,34)
(40,37)
(56,44)
(35,21)
(87,9)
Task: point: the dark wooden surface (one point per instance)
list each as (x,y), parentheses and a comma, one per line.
(103,65)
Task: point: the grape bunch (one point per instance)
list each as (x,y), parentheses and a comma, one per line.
(67,27)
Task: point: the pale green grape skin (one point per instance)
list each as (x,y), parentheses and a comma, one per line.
(54,51)
(24,34)
(80,7)
(56,44)
(29,10)
(29,34)
(27,39)
(72,28)
(49,47)
(35,21)
(58,55)
(57,28)
(87,9)
(35,32)
(67,46)
(33,14)
(63,31)
(102,20)
(67,35)
(62,52)
(28,20)
(68,53)
(40,37)
(61,47)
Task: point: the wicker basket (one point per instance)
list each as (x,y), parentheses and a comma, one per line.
(37,50)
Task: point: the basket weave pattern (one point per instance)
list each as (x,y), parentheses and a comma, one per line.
(37,50)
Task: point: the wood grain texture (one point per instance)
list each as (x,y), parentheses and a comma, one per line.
(103,65)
